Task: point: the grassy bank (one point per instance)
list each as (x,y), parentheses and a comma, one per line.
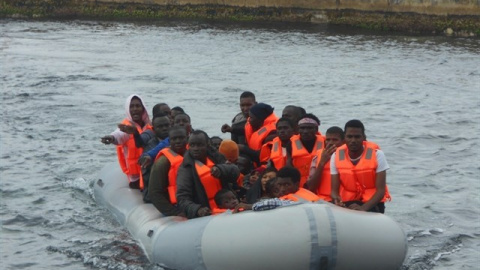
(465,26)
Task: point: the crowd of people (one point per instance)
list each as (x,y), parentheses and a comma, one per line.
(268,161)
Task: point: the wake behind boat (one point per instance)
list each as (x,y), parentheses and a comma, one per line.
(300,236)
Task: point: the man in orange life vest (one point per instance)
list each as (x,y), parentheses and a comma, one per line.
(201,175)
(276,152)
(306,144)
(247,100)
(319,180)
(127,152)
(294,113)
(259,129)
(361,170)
(162,185)
(289,190)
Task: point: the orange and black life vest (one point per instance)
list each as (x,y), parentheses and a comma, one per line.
(358,181)
(210,183)
(302,194)
(128,161)
(255,139)
(175,160)
(301,158)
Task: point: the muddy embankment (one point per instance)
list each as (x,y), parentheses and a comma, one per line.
(448,17)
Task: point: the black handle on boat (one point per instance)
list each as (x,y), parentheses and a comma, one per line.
(100,182)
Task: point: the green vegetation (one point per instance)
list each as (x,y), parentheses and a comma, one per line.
(398,22)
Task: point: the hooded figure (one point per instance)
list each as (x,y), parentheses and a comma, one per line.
(127,152)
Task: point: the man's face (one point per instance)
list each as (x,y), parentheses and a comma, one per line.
(284,130)
(286,186)
(255,122)
(136,110)
(308,132)
(333,139)
(246,104)
(290,113)
(198,146)
(178,140)
(161,126)
(184,121)
(354,138)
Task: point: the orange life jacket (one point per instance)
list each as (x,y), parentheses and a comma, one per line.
(128,161)
(255,138)
(240,180)
(325,188)
(301,195)
(216,211)
(210,183)
(265,152)
(175,160)
(358,181)
(301,158)
(275,154)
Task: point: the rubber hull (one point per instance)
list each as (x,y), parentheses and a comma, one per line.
(300,236)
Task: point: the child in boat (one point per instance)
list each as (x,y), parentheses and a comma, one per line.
(258,190)
(225,199)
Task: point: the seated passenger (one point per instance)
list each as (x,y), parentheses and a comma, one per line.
(319,180)
(127,152)
(258,190)
(229,149)
(287,182)
(359,172)
(225,199)
(147,158)
(201,175)
(259,129)
(278,152)
(305,145)
(162,185)
(176,110)
(247,100)
(215,142)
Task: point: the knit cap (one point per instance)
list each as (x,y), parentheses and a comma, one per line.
(229,149)
(261,110)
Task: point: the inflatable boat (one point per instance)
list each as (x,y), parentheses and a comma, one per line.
(302,236)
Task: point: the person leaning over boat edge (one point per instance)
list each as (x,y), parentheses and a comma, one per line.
(360,169)
(163,175)
(127,152)
(201,175)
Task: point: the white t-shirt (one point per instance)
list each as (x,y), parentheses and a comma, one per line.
(381,161)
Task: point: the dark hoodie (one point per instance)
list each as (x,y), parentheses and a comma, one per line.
(191,194)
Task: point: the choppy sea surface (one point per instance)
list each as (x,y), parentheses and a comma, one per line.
(64,84)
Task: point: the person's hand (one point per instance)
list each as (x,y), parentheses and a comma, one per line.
(242,207)
(215,171)
(327,154)
(204,211)
(355,206)
(226,128)
(107,139)
(145,161)
(127,128)
(338,201)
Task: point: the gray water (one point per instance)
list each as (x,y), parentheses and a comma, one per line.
(64,85)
